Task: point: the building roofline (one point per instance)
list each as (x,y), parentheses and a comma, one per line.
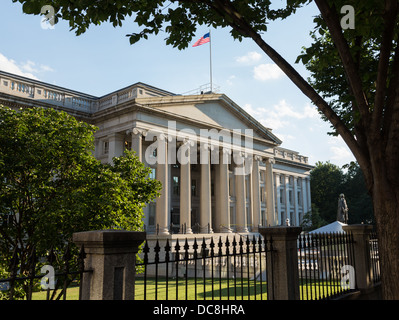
(88,96)
(46,84)
(144,85)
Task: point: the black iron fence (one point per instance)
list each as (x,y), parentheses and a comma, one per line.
(27,274)
(191,269)
(326,265)
(232,267)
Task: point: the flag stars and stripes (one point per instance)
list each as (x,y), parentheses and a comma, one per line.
(204,39)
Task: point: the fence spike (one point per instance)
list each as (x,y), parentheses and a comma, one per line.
(241,243)
(177,246)
(167,253)
(195,248)
(157,249)
(227,244)
(212,246)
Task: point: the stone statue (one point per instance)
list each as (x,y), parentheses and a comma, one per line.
(342,214)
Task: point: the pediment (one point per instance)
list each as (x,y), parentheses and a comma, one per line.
(215,111)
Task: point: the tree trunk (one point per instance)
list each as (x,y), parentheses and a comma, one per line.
(386,213)
(377,159)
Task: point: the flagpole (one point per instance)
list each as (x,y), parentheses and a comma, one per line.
(210,58)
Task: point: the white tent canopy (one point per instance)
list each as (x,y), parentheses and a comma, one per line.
(335,226)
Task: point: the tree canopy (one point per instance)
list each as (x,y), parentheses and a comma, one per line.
(327,182)
(52,186)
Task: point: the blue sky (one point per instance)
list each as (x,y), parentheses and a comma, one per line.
(102,60)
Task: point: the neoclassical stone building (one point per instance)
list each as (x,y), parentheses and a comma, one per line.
(221,170)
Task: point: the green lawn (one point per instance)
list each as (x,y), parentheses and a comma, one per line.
(72,294)
(319,289)
(223,289)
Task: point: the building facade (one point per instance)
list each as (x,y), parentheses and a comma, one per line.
(221,170)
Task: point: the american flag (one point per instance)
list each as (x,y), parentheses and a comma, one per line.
(204,39)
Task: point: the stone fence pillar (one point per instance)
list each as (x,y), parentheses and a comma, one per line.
(363,269)
(282,275)
(111,255)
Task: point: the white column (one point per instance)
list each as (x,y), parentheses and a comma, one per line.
(116,146)
(224,198)
(185,193)
(162,207)
(269,186)
(287,199)
(255,194)
(217,222)
(296,223)
(308,198)
(305,208)
(241,213)
(205,191)
(137,144)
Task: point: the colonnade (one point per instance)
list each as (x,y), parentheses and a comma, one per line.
(248,204)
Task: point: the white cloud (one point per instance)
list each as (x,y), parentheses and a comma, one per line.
(340,153)
(283,109)
(311,112)
(32,67)
(26,69)
(230,80)
(249,58)
(9,65)
(267,71)
(281,114)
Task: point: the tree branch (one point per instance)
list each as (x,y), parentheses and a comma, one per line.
(226,8)
(392,95)
(390,130)
(391,11)
(331,18)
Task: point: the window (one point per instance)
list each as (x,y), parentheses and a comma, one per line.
(151,214)
(193,188)
(231,187)
(128,145)
(281,196)
(105,147)
(262,194)
(248,213)
(175,185)
(232,218)
(263,218)
(152,174)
